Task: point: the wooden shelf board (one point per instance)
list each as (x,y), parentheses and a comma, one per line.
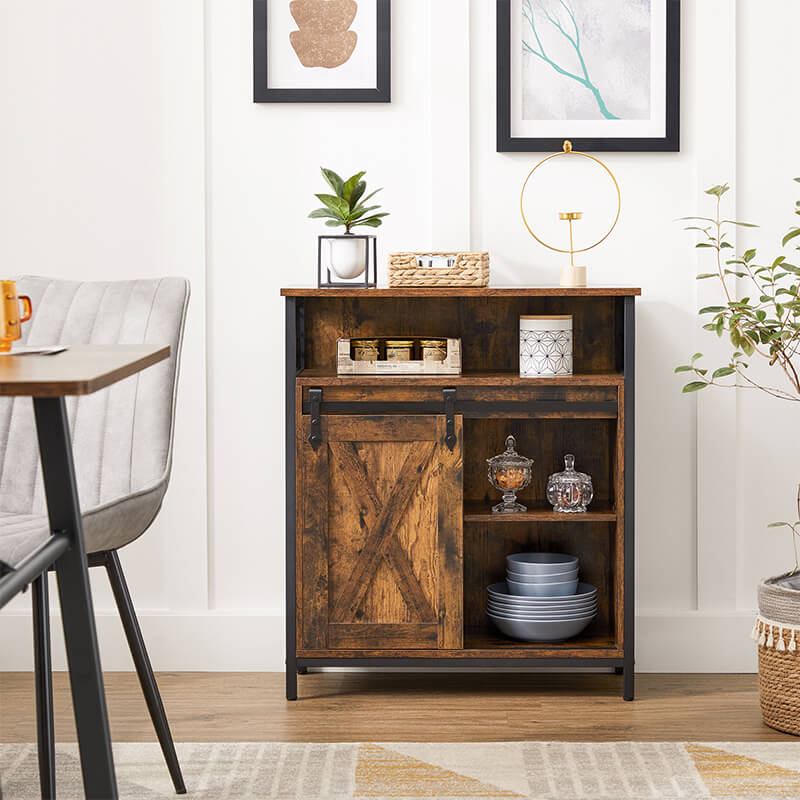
(485,642)
(478,512)
(328,377)
(488,640)
(455,291)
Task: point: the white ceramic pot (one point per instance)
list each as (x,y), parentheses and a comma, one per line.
(348,257)
(545,346)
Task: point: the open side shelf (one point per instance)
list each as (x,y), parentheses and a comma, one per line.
(479,512)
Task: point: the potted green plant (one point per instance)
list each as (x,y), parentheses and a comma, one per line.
(762,325)
(347,208)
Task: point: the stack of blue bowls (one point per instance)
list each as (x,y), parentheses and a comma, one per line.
(542,599)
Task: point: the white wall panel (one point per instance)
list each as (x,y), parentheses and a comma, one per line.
(130,146)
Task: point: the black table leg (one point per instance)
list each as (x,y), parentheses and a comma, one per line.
(80,635)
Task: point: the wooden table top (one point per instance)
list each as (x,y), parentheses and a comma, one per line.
(466,291)
(80,369)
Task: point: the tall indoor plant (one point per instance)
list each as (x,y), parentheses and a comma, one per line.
(763,324)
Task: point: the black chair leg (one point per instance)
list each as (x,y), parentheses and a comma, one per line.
(143,667)
(45,735)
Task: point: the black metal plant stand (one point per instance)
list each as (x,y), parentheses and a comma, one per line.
(368,280)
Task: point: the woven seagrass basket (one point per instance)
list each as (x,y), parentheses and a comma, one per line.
(777,631)
(468,269)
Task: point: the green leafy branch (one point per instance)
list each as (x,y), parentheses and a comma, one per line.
(764,324)
(347,206)
(795,529)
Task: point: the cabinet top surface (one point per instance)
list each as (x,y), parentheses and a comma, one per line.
(459,291)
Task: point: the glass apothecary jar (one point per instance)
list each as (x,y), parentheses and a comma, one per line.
(510,473)
(570,491)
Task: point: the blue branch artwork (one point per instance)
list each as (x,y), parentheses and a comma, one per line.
(574,39)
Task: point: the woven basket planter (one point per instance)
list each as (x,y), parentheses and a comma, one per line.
(777,631)
(469,269)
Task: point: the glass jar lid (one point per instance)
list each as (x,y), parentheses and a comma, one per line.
(399,342)
(570,474)
(510,458)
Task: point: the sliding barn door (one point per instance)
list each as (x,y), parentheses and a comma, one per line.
(380,540)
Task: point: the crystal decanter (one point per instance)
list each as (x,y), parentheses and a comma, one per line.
(570,491)
(510,473)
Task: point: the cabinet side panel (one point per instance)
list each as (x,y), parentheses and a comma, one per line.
(451,541)
(314,586)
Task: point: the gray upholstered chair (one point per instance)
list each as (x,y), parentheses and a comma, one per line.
(122,443)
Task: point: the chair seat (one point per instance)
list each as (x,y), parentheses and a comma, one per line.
(106,527)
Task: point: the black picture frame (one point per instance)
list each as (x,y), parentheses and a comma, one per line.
(262,93)
(668,143)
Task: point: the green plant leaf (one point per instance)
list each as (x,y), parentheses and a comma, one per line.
(789,236)
(319,213)
(780,524)
(683,368)
(696,356)
(336,204)
(705,275)
(749,255)
(361,187)
(360,211)
(742,224)
(704,244)
(711,309)
(694,386)
(722,372)
(372,222)
(333,180)
(335,223)
(747,346)
(350,185)
(718,191)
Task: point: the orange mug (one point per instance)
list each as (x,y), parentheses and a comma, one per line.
(10,319)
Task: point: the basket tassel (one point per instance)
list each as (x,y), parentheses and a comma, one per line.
(762,640)
(780,647)
(754,632)
(770,639)
(792,644)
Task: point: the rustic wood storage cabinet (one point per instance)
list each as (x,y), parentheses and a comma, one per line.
(390,539)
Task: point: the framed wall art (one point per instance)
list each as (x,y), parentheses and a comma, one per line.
(604,74)
(321,51)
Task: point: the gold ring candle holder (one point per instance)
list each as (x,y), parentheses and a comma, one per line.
(510,473)
(571,275)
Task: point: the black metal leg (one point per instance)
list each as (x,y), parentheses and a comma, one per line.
(302,670)
(77,611)
(628,679)
(291,680)
(144,669)
(45,734)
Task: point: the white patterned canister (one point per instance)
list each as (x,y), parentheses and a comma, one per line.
(545,346)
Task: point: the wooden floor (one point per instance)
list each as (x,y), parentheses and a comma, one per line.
(412,707)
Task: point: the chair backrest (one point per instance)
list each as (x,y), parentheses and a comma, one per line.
(121,436)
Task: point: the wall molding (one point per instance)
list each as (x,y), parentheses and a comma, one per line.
(243,641)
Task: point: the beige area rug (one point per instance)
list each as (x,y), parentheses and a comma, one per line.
(408,771)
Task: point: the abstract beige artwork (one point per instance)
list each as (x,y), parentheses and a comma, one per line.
(324,38)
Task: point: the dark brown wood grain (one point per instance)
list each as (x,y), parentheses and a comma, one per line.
(406,635)
(314,538)
(79,370)
(488,327)
(389,546)
(402,561)
(456,291)
(382,531)
(449,508)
